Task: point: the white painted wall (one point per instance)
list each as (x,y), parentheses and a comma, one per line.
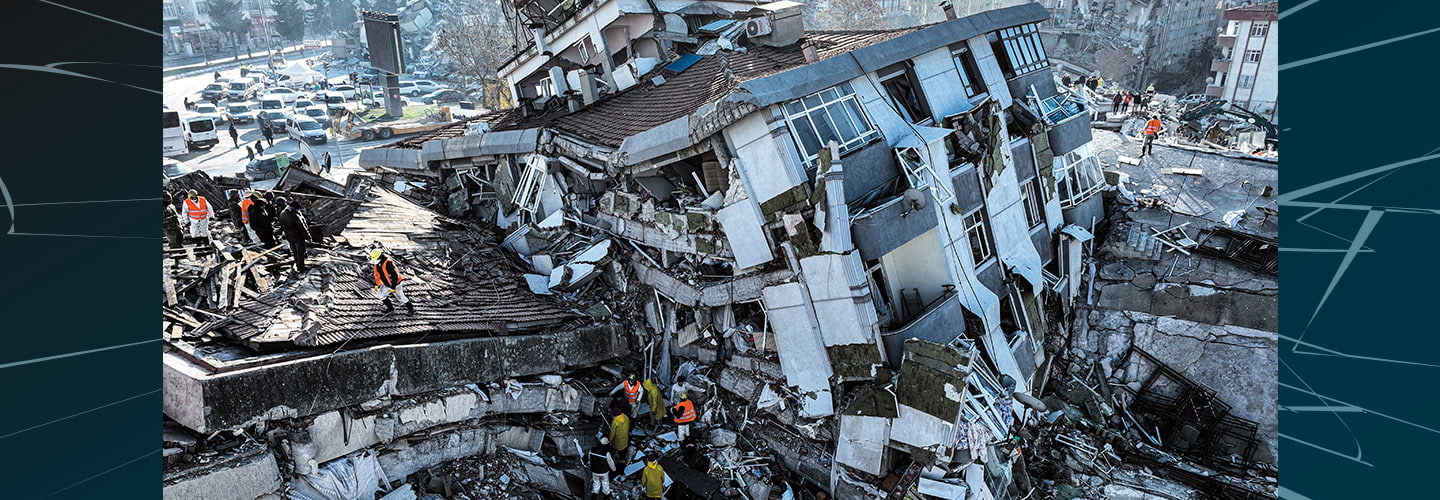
(917,264)
(797,339)
(765,166)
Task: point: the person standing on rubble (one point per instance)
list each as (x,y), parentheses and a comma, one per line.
(296,230)
(1125,103)
(387,280)
(602,463)
(198,210)
(655,399)
(620,435)
(171,222)
(239,219)
(1152,129)
(261,217)
(633,391)
(653,478)
(684,416)
(1116,102)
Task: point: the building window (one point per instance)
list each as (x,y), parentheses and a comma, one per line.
(832,114)
(977,228)
(1259,29)
(1078,176)
(1252,56)
(1021,48)
(903,92)
(1029,196)
(969,73)
(1246,81)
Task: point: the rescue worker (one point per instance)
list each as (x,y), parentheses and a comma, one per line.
(295,229)
(1152,129)
(261,217)
(171,222)
(684,416)
(633,390)
(602,463)
(197,208)
(655,399)
(387,280)
(653,478)
(238,218)
(620,435)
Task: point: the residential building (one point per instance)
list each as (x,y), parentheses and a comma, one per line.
(1247,73)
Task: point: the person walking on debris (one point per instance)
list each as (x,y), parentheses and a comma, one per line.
(1152,129)
(633,389)
(1125,103)
(171,222)
(261,218)
(653,478)
(387,280)
(620,434)
(234,135)
(684,416)
(1067,81)
(198,209)
(602,463)
(295,228)
(655,399)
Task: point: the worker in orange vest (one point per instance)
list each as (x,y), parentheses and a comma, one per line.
(1152,129)
(684,412)
(245,204)
(197,208)
(633,390)
(387,280)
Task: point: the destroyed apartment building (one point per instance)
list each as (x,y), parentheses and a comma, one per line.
(861,252)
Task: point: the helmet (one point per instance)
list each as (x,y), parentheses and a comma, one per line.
(631,377)
(375,254)
(684,396)
(192,193)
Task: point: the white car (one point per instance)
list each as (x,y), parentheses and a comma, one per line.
(418,88)
(345,90)
(302,128)
(300,104)
(285,95)
(209,110)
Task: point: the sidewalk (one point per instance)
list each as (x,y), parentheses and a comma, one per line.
(257,58)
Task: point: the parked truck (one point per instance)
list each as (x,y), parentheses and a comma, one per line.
(351,126)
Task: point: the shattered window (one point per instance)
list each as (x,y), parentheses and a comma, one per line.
(829,115)
(904,94)
(1021,49)
(1029,196)
(969,74)
(1078,176)
(977,229)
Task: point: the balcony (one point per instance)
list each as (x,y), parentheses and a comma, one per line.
(1214,91)
(942,321)
(549,13)
(1226,41)
(1220,65)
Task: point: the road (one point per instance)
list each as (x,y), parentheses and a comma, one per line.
(227,160)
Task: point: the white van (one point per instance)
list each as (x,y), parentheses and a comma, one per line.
(242,89)
(199,132)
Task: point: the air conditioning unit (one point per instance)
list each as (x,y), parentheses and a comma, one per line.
(759,26)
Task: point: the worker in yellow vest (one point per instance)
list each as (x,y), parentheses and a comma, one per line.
(685,415)
(620,435)
(197,209)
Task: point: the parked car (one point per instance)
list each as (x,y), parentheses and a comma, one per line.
(316,113)
(239,112)
(301,103)
(1193,99)
(267,166)
(302,128)
(370,76)
(348,91)
(418,87)
(333,100)
(284,94)
(213,91)
(444,96)
(172,169)
(271,102)
(242,89)
(272,120)
(209,110)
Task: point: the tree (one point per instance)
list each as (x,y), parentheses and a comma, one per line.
(851,15)
(289,19)
(228,17)
(472,48)
(336,15)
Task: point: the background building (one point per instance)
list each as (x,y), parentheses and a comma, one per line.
(1247,73)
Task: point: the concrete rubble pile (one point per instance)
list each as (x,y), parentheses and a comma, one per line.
(888,313)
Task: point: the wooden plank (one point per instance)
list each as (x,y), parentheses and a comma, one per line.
(239,285)
(169,282)
(180,317)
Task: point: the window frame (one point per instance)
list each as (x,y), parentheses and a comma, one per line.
(1032,203)
(1253,56)
(905,73)
(1069,174)
(844,99)
(970,77)
(986,246)
(1245,82)
(1259,30)
(1022,49)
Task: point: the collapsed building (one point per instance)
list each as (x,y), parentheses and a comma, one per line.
(864,251)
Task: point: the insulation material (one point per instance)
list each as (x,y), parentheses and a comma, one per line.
(358,476)
(802,354)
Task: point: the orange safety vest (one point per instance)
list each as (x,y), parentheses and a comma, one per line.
(685,412)
(1152,127)
(245,210)
(200,211)
(380,275)
(632,391)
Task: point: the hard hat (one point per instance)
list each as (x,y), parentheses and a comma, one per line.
(193,193)
(684,396)
(631,377)
(375,254)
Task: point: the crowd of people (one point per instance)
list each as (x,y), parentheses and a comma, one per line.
(636,403)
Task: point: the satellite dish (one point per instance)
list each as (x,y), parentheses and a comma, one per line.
(915,198)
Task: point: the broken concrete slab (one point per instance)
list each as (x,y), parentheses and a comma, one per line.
(244,478)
